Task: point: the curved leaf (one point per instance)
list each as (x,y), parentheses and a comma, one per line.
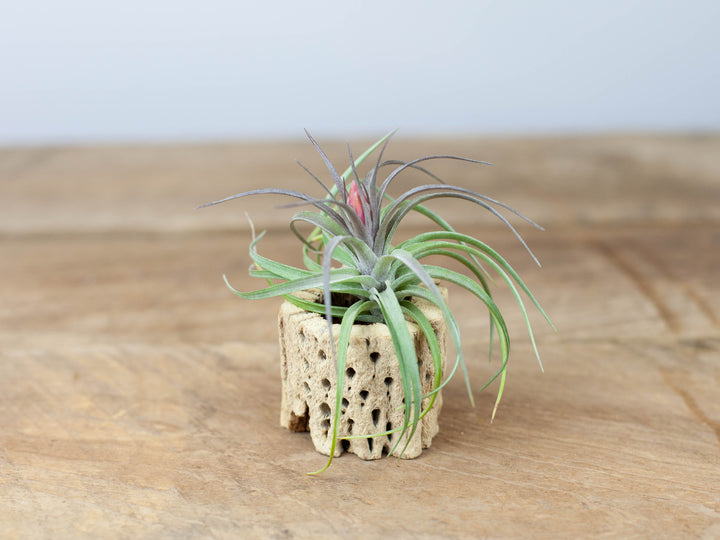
(392,175)
(289,287)
(407,360)
(342,347)
(428,244)
(402,205)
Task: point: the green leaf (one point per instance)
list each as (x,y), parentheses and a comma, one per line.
(311,282)
(467,283)
(423,210)
(422,292)
(320,221)
(310,264)
(407,360)
(404,204)
(364,256)
(262,274)
(502,268)
(416,314)
(489,255)
(283,271)
(343,255)
(342,348)
(478,272)
(419,270)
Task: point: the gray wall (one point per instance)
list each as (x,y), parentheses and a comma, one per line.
(85,70)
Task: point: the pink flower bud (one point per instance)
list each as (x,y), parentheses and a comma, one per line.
(355,202)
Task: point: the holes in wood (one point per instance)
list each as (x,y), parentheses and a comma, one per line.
(325,409)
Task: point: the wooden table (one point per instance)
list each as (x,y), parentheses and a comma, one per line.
(140,399)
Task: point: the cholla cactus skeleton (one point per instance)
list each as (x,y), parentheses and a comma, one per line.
(353,227)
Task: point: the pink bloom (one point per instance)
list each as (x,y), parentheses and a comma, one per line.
(355,202)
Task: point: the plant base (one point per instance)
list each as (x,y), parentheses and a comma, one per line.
(373,393)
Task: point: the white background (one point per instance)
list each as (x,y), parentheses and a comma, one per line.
(89,71)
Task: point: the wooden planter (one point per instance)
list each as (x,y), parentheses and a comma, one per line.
(373,395)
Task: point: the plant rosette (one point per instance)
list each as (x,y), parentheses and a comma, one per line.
(362,343)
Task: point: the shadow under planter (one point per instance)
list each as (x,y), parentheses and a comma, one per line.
(373,399)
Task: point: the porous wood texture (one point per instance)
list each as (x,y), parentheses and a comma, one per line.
(139,397)
(373,395)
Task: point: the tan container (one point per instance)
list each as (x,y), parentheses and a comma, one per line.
(373,394)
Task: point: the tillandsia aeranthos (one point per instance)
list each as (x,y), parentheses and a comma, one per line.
(354,224)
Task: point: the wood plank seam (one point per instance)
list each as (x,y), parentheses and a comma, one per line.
(643,286)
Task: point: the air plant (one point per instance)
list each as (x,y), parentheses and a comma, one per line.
(354,225)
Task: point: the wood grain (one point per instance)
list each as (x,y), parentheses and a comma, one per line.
(139,398)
